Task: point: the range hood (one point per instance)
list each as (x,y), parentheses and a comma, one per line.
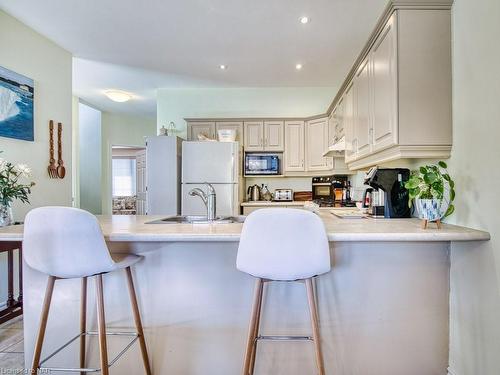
(336,148)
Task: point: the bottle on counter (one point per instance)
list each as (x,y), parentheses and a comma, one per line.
(265,193)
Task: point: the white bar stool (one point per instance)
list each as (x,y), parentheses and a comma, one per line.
(283,244)
(67,243)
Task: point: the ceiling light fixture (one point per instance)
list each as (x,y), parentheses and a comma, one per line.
(222,67)
(304,19)
(118,95)
(298,66)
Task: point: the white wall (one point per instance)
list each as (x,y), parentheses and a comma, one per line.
(90,160)
(475,268)
(24,51)
(177,104)
(121,130)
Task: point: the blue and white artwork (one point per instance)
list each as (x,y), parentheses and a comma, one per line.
(16,105)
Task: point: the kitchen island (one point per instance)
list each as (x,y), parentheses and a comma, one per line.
(383,309)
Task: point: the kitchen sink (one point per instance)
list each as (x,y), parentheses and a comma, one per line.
(198,220)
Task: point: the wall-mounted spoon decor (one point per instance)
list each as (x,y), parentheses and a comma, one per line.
(61,170)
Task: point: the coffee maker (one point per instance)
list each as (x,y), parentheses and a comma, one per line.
(390,182)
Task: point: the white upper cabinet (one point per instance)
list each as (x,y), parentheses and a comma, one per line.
(362,122)
(205,128)
(348,122)
(254,136)
(401,92)
(294,147)
(384,77)
(232,125)
(274,136)
(316,144)
(264,136)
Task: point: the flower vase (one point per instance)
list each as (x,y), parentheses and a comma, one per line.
(5,215)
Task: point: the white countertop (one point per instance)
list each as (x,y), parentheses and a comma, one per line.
(124,228)
(272,203)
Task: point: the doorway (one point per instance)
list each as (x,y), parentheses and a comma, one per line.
(128,175)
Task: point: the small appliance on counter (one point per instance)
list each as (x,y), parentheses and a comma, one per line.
(388,192)
(373,200)
(262,164)
(253,193)
(283,195)
(332,191)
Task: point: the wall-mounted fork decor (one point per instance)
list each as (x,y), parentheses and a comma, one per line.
(54,171)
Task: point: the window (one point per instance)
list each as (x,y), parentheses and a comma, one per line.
(124,177)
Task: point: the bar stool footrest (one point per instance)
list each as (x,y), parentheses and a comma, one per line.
(133,335)
(284,338)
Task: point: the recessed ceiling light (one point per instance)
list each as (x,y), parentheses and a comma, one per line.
(118,95)
(304,19)
(298,66)
(222,67)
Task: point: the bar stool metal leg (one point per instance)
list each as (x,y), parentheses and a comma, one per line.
(101,324)
(43,324)
(138,323)
(83,323)
(253,322)
(314,322)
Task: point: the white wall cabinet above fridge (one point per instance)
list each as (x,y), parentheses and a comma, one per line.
(398,102)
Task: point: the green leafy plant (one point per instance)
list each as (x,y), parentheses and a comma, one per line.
(432,182)
(11,185)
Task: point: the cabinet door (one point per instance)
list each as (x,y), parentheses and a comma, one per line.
(238,126)
(362,119)
(254,136)
(274,134)
(294,146)
(384,82)
(332,136)
(339,120)
(316,144)
(205,128)
(348,121)
(336,123)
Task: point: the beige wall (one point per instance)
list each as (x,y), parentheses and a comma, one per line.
(27,52)
(122,130)
(177,104)
(475,268)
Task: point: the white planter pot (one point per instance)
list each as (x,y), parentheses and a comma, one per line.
(429,209)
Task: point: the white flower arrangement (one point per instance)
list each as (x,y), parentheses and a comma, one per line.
(11,182)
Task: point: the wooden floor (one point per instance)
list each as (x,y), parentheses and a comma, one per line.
(11,345)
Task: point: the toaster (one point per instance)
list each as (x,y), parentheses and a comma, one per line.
(283,195)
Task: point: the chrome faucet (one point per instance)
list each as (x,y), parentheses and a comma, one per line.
(208,199)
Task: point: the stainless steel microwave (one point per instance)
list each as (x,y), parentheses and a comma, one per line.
(262,164)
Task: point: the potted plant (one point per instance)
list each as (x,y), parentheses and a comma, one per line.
(433,191)
(12,188)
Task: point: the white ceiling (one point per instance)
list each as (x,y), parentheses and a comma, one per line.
(140,46)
